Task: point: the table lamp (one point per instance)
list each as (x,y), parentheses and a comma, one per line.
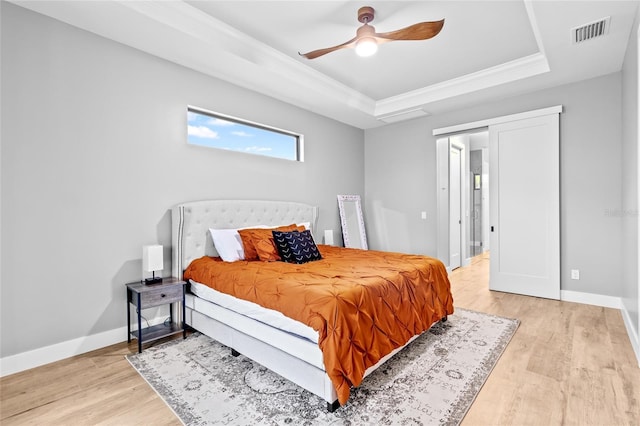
(151,262)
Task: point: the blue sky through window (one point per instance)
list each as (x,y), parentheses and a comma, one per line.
(218,132)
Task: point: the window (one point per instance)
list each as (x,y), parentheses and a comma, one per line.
(210,129)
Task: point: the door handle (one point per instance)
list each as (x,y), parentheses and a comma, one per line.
(492,229)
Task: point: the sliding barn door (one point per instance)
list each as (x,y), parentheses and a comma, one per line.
(525,207)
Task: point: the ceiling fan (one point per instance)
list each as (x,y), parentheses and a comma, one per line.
(367,39)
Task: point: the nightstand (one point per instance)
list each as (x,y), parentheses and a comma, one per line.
(143,296)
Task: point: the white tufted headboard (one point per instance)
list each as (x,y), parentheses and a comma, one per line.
(191,221)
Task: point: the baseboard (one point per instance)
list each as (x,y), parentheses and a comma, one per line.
(607,302)
(41,356)
(632,332)
(591,299)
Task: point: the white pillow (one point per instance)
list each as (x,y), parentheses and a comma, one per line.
(228,244)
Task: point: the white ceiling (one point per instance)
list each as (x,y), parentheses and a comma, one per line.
(487,49)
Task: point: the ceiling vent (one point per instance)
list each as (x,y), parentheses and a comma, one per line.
(590,31)
(394,117)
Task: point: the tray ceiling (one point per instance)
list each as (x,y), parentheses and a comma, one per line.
(487,49)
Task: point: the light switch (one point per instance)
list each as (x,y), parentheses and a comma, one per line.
(423,215)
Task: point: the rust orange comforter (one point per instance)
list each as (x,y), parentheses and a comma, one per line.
(363,303)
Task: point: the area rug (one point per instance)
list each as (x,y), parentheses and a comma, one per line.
(432,381)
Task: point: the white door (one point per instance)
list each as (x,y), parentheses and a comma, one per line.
(455,192)
(525,207)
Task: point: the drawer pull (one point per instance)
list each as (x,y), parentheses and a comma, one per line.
(162,295)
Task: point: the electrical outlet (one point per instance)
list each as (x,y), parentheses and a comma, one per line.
(575,274)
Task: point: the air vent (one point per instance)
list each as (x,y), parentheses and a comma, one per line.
(590,31)
(402,115)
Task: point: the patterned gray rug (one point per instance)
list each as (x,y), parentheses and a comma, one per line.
(433,381)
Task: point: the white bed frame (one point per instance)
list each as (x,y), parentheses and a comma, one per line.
(297,359)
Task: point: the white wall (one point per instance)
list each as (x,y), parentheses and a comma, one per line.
(94,155)
(400,176)
(629,210)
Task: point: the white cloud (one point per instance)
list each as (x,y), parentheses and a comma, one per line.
(257,148)
(191,116)
(242,134)
(202,132)
(220,122)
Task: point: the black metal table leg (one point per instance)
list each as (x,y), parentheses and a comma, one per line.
(139,311)
(184,317)
(128,319)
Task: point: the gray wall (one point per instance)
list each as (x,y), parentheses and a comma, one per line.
(94,155)
(629,212)
(400,176)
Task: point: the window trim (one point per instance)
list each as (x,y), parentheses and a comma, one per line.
(299,137)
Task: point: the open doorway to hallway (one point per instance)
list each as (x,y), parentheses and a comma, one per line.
(463,197)
(478,193)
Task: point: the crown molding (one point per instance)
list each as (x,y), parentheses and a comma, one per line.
(517,69)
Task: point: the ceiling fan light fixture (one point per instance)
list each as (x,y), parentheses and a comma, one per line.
(367,39)
(366,46)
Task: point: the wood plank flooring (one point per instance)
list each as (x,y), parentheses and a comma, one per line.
(568,364)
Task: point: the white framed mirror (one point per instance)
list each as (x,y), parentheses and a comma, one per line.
(352,221)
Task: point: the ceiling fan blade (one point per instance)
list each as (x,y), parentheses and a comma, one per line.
(316,53)
(420,31)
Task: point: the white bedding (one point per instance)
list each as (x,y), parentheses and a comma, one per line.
(252,310)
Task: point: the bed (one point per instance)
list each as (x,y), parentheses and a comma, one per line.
(276,341)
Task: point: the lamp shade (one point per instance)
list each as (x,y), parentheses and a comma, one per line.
(152,258)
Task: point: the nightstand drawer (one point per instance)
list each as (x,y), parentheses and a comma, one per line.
(161,296)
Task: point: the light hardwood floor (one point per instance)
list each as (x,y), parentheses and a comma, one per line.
(568,364)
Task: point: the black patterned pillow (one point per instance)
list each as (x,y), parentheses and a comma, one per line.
(296,247)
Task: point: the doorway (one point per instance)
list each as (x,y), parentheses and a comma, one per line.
(479,193)
(463,210)
(523,220)
(453,201)
(455,206)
